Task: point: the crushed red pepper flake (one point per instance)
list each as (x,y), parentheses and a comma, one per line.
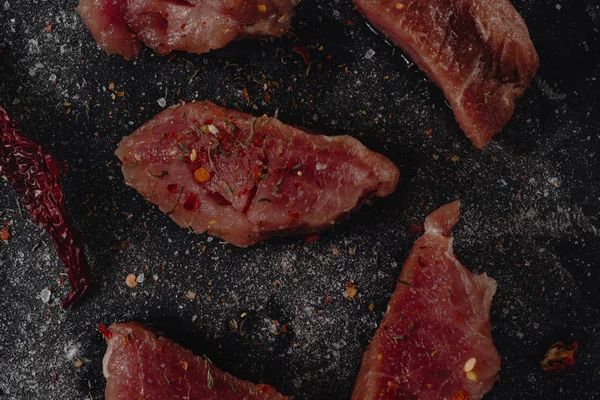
(48,28)
(351,290)
(311,238)
(5,234)
(245,94)
(415,229)
(559,357)
(304,52)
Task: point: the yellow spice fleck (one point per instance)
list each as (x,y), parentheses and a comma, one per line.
(262,8)
(470,364)
(472,376)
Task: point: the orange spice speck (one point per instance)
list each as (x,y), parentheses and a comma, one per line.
(460,395)
(130,281)
(202,175)
(5,234)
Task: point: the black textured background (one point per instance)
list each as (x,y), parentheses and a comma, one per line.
(531,203)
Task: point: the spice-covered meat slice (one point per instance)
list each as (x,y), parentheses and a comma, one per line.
(195,26)
(435,339)
(138,364)
(478,51)
(245,179)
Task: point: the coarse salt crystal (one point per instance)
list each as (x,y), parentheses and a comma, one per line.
(45,295)
(140,278)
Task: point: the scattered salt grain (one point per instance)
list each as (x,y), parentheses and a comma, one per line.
(370,53)
(162,102)
(45,295)
(190,295)
(140,278)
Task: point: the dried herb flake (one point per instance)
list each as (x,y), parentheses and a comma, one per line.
(178,200)
(278,185)
(183,148)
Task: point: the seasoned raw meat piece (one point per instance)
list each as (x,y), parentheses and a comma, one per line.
(478,51)
(195,26)
(140,365)
(245,179)
(435,340)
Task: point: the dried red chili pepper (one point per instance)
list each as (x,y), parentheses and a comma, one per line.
(33,174)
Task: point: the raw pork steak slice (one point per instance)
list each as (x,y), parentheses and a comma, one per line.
(140,365)
(245,179)
(478,51)
(195,26)
(434,342)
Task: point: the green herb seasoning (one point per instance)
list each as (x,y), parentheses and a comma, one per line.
(218,150)
(251,137)
(227,189)
(232,126)
(176,203)
(278,185)
(159,176)
(183,148)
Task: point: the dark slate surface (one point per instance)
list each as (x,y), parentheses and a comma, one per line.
(531,203)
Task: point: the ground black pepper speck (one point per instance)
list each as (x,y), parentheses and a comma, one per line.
(531,203)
